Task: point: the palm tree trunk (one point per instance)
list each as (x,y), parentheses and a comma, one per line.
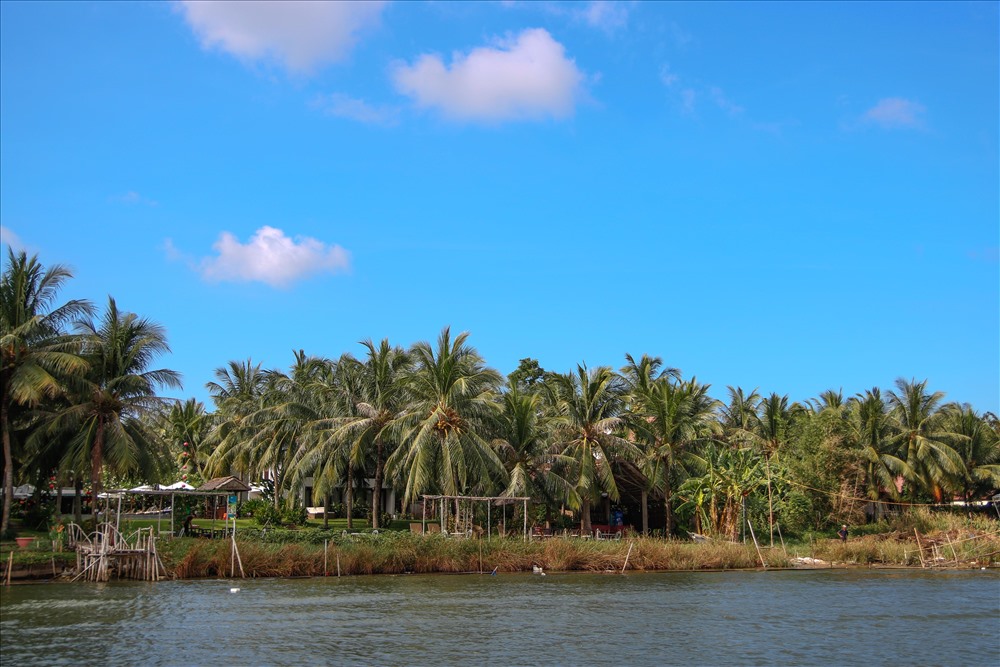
(349,498)
(326,513)
(277,488)
(8,470)
(585,516)
(77,499)
(96,463)
(668,505)
(377,489)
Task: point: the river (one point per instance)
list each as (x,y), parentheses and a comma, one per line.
(817,617)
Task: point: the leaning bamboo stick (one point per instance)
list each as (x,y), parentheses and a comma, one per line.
(630,545)
(920,548)
(759,554)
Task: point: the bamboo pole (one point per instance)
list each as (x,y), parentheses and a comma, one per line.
(236,548)
(338,563)
(326,546)
(525,520)
(770,506)
(757,546)
(953,552)
(920,548)
(10,567)
(630,545)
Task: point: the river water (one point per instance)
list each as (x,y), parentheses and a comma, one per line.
(832,617)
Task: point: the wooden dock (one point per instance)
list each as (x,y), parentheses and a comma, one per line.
(107,554)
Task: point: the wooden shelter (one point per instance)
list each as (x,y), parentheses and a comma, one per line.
(490,501)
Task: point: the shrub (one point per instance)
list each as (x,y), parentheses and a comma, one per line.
(293,516)
(252,507)
(267,514)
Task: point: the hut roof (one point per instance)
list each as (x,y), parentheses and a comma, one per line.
(229,483)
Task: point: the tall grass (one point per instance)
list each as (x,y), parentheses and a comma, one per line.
(405,553)
(946,539)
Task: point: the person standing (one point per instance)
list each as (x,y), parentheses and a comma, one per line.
(843,533)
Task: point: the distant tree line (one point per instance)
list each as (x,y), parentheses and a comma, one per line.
(82,405)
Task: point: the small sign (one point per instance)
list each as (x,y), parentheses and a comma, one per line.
(231,509)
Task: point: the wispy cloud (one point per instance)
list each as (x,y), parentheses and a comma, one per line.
(607,16)
(345,106)
(723,102)
(134,198)
(896,113)
(667,76)
(299,35)
(269,257)
(524,77)
(688,94)
(10,238)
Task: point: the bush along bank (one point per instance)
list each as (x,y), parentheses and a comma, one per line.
(403,553)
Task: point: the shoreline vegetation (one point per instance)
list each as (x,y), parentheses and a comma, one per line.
(917,540)
(370,440)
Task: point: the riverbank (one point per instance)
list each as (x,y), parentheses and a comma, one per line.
(405,553)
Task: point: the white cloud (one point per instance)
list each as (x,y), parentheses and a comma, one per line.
(344,106)
(300,35)
(270,257)
(527,77)
(896,112)
(608,16)
(8,237)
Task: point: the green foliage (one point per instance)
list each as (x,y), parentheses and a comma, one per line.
(794,512)
(266,514)
(293,516)
(253,507)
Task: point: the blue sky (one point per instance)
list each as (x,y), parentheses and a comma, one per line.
(794,197)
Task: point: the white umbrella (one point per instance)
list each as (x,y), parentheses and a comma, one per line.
(24,491)
(179,486)
(144,487)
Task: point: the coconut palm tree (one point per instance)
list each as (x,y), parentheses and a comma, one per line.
(107,410)
(979,448)
(444,444)
(870,429)
(269,427)
(669,419)
(640,375)
(922,438)
(35,354)
(523,439)
(740,417)
(237,391)
(829,400)
(587,427)
(185,427)
(328,448)
(379,402)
